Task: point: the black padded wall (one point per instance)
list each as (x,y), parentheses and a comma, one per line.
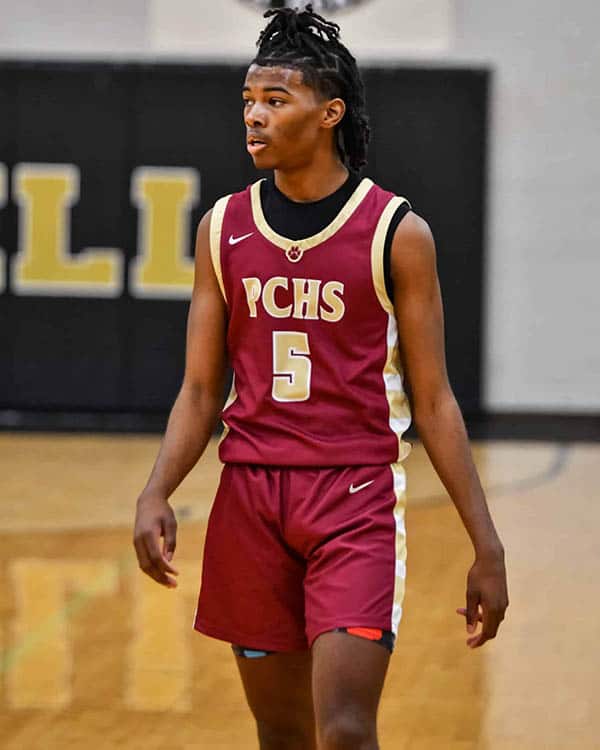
(64,352)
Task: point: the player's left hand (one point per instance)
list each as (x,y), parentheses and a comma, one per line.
(487,599)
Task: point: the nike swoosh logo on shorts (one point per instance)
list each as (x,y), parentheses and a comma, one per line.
(354,489)
(234,240)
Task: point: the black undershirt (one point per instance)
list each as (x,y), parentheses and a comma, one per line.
(298,220)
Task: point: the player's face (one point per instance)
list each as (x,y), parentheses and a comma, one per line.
(283,116)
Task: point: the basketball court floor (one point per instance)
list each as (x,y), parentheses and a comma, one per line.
(95,655)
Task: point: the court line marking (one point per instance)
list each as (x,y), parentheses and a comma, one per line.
(557,465)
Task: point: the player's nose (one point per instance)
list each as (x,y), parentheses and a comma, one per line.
(255,116)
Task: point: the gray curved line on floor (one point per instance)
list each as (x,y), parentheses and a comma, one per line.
(557,465)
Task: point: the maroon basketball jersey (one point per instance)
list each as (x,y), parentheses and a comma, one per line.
(311,336)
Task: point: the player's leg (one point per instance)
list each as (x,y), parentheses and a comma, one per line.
(278,690)
(252,594)
(347,679)
(353,527)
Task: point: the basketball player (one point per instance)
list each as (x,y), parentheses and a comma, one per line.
(320,288)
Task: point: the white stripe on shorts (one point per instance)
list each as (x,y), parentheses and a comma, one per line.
(400,568)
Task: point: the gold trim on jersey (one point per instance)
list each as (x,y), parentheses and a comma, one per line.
(392,370)
(399,478)
(377,251)
(216,228)
(308,242)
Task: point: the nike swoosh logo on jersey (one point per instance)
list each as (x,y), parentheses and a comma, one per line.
(234,240)
(354,489)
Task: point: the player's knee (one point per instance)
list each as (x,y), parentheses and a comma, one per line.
(347,731)
(289,735)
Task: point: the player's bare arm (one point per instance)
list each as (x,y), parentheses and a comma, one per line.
(439,422)
(192,420)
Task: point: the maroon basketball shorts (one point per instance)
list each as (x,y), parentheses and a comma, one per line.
(293,552)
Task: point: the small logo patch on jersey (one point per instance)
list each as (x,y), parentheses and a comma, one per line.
(354,489)
(294,254)
(234,240)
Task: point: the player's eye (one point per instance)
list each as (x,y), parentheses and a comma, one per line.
(273,102)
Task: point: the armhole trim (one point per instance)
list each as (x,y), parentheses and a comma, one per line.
(392,374)
(216,229)
(377,249)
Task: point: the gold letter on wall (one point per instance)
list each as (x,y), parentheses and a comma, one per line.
(165,196)
(44,264)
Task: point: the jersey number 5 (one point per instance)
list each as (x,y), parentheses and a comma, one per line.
(291,366)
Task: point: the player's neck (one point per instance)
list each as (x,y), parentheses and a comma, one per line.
(312,182)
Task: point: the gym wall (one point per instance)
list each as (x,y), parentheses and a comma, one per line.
(541,316)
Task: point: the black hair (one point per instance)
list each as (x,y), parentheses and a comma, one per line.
(304,40)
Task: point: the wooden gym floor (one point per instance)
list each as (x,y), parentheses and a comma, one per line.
(97,656)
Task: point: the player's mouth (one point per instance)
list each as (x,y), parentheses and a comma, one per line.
(255,144)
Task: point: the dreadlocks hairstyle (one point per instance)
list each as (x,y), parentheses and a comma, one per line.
(307,42)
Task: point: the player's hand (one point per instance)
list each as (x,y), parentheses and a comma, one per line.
(487,599)
(155,519)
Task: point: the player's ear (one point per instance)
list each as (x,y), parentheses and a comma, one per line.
(333,113)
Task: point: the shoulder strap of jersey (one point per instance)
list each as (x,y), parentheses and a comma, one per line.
(216,228)
(377,248)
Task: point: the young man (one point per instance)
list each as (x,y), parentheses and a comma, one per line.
(321,289)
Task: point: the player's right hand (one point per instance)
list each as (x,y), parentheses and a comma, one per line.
(155,519)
